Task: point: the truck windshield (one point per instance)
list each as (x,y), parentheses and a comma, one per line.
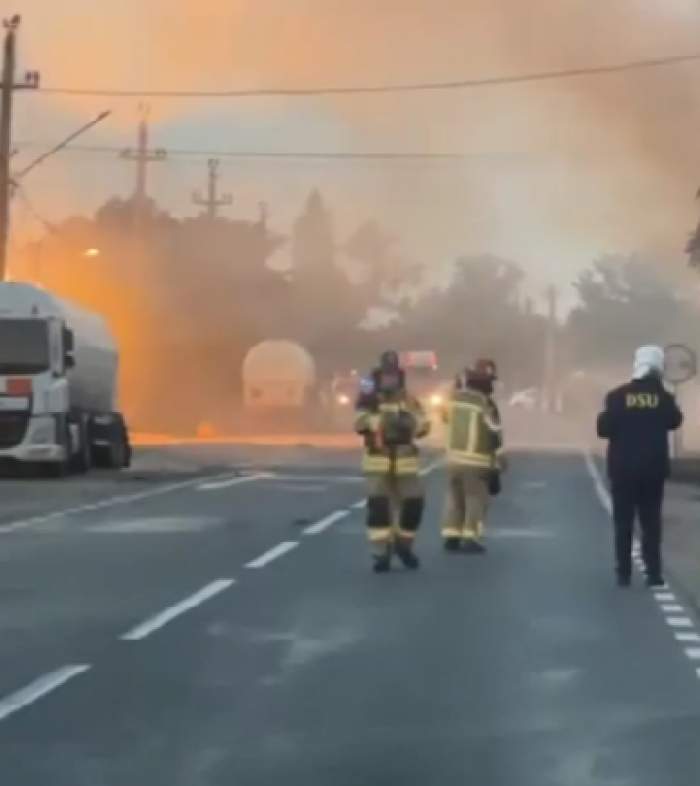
(24,346)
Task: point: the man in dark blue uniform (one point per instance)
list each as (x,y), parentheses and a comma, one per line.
(637,420)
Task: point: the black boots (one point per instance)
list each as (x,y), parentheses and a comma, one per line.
(407,556)
(405,553)
(382,563)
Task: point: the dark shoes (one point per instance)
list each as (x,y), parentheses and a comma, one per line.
(624,580)
(408,557)
(452,544)
(472,546)
(382,564)
(655,581)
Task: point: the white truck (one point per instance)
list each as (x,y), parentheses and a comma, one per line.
(58,381)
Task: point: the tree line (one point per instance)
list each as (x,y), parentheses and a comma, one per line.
(188,297)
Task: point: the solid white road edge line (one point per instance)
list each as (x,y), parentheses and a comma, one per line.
(361,505)
(601,490)
(663,596)
(274,553)
(236,480)
(40,687)
(110,502)
(164,617)
(324,523)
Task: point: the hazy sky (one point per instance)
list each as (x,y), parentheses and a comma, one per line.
(560,173)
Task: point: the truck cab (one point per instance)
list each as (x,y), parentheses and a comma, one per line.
(56,391)
(423,379)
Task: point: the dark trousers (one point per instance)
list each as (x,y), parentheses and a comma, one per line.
(643,497)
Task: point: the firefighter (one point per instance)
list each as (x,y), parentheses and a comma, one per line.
(390,420)
(473,441)
(636,420)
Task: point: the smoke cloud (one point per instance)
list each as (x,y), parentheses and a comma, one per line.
(561,171)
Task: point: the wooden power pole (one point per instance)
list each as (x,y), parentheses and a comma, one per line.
(212,202)
(7,89)
(142,155)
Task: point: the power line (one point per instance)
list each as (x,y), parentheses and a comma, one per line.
(408,87)
(318,155)
(21,192)
(62,145)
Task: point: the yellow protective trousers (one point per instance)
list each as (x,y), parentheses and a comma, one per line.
(466,502)
(394,510)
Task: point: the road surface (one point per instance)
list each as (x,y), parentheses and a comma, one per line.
(221,626)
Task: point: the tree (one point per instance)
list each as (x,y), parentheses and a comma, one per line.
(623,303)
(384,273)
(313,245)
(478,313)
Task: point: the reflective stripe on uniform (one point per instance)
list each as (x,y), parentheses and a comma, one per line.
(376,464)
(481,460)
(379,534)
(451,532)
(407,466)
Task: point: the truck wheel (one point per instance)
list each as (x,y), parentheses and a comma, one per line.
(118,454)
(82,461)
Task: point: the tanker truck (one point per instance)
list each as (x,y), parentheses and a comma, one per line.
(58,379)
(279,385)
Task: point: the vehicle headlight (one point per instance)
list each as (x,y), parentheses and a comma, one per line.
(343,400)
(437,400)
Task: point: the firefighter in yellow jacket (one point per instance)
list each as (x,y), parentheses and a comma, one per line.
(473,441)
(390,420)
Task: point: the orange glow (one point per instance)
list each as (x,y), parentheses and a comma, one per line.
(339,441)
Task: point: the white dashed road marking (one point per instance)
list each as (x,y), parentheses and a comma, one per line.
(164,617)
(679,622)
(274,553)
(687,637)
(664,597)
(325,523)
(39,688)
(693,653)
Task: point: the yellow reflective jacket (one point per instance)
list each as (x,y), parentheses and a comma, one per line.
(372,420)
(473,430)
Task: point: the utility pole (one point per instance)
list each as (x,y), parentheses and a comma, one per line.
(7,89)
(550,392)
(264,213)
(213,201)
(143,156)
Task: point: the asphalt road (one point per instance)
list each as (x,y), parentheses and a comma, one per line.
(179,630)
